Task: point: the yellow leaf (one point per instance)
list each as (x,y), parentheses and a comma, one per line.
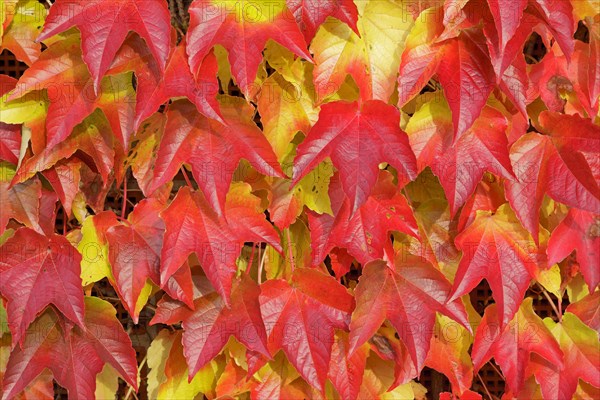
(372,59)
(27,108)
(19,37)
(313,189)
(158,353)
(107,383)
(94,254)
(176,385)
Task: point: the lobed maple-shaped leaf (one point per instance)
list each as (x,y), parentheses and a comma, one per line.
(74,354)
(459,164)
(61,71)
(310,14)
(213,149)
(579,231)
(581,350)
(192,226)
(300,318)
(555,163)
(243,29)
(92,140)
(134,250)
(177,81)
(208,328)
(36,271)
(462,66)
(512,344)
(365,233)
(104,25)
(19,37)
(407,292)
(370,55)
(497,248)
(357,137)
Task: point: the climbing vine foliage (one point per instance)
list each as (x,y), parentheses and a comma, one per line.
(300,199)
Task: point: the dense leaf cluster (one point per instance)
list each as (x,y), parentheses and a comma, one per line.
(323,184)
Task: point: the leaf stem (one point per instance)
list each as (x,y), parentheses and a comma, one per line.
(484,386)
(497,370)
(250,261)
(261,264)
(130,390)
(124,207)
(289,246)
(186,177)
(558,313)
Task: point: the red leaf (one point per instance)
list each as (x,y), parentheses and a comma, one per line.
(554,163)
(192,226)
(588,310)
(357,138)
(180,285)
(38,271)
(177,81)
(462,66)
(467,78)
(208,328)
(65,179)
(507,16)
(104,25)
(21,201)
(580,231)
(345,370)
(460,163)
(512,344)
(581,350)
(421,57)
(506,28)
(93,141)
(300,319)
(243,29)
(497,248)
(310,14)
(558,17)
(408,293)
(75,355)
(467,395)
(62,72)
(366,232)
(134,252)
(214,150)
